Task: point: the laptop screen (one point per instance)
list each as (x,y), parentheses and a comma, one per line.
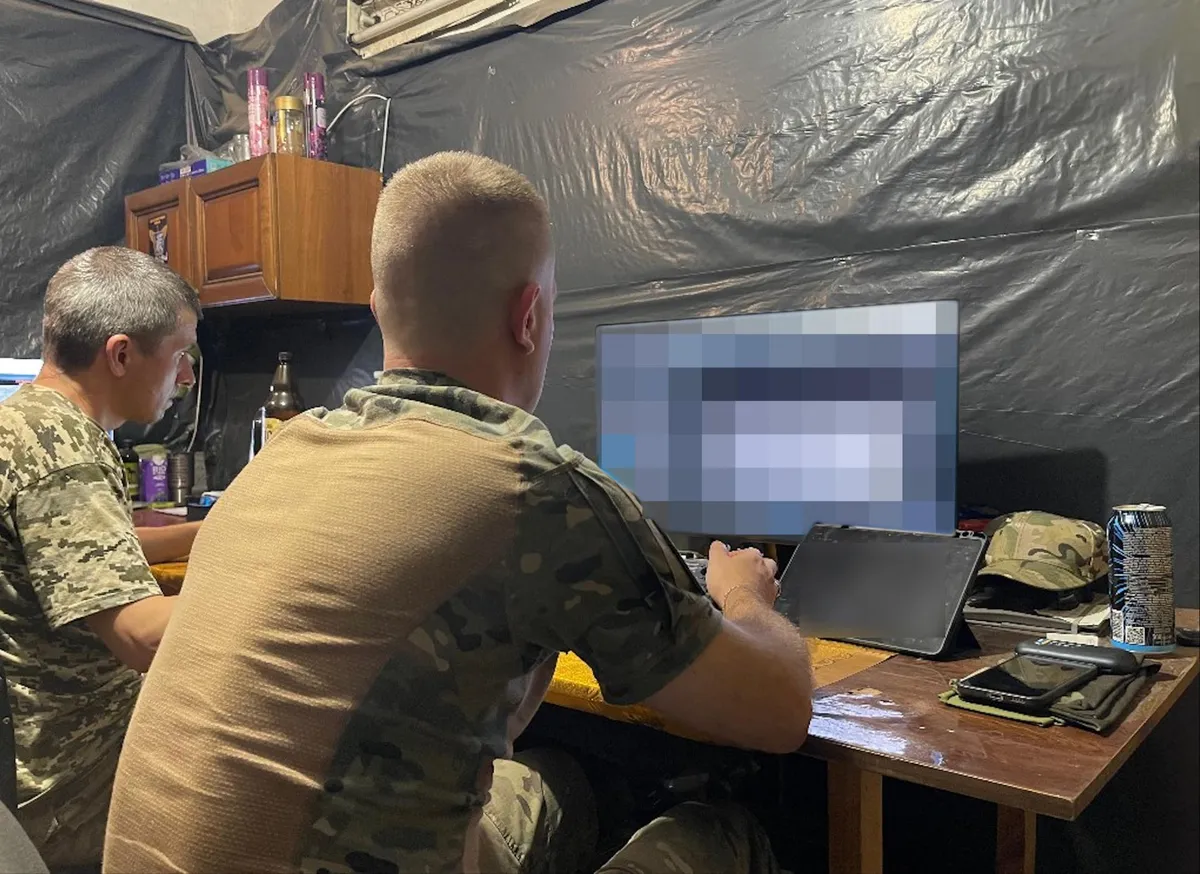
(896,590)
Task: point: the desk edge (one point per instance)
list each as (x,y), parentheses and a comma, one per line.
(1136,739)
(1056,806)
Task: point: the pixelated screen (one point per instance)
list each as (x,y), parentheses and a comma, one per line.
(760,425)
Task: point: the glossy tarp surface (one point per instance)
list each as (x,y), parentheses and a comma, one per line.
(90,105)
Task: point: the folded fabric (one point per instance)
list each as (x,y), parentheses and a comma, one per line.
(1100,704)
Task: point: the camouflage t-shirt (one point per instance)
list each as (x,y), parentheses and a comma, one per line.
(363,611)
(67,551)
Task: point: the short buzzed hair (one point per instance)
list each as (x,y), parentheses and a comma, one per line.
(454,234)
(107,291)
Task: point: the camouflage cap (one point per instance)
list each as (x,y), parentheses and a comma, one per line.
(1046,551)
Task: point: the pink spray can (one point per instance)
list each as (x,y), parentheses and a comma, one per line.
(258,111)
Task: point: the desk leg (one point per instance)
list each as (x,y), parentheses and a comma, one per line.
(1016,840)
(855,820)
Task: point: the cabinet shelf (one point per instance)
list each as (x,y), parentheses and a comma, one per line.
(274,229)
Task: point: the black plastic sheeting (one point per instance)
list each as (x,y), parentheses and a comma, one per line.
(1038,162)
(90,105)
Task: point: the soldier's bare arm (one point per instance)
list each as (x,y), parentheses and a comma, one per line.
(133,632)
(596,578)
(752,686)
(167,542)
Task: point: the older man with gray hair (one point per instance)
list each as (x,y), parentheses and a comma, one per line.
(80,613)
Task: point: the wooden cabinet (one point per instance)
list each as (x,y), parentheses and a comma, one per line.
(236,233)
(156,222)
(276,228)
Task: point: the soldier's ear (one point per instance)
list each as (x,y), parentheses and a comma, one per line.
(116,353)
(523,317)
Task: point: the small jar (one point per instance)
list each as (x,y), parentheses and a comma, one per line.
(289,125)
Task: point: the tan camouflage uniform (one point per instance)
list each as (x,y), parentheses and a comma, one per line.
(541,819)
(355,648)
(67,551)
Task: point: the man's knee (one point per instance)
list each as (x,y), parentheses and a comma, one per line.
(541,815)
(544,787)
(692,838)
(67,825)
(559,774)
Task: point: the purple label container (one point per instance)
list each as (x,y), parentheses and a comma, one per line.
(154,478)
(314,115)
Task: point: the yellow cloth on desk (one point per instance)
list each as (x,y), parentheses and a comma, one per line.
(575,686)
(169,574)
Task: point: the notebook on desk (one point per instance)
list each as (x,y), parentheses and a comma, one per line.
(896,590)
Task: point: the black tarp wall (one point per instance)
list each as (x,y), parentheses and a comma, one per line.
(91,102)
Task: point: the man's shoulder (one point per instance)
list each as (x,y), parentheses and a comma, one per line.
(41,432)
(469,413)
(554,467)
(569,497)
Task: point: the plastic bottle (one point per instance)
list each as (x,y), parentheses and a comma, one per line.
(314,115)
(282,403)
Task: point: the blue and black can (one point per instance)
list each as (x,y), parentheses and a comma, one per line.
(1141,578)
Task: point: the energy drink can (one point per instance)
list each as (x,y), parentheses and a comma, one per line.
(1141,578)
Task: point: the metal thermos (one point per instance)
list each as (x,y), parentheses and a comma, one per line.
(179,477)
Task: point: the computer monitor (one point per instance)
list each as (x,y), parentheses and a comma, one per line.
(14,371)
(760,425)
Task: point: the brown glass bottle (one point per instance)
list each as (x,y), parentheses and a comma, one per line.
(284,401)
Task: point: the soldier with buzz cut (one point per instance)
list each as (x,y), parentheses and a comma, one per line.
(374,608)
(80,613)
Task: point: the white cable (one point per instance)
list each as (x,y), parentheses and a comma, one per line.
(350,103)
(387,115)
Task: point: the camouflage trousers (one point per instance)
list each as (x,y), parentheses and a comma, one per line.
(541,819)
(67,823)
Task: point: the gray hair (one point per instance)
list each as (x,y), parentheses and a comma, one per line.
(107,291)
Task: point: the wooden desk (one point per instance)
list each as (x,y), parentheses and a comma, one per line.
(887,722)
(155,519)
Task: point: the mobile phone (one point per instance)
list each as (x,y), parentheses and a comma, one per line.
(1025,683)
